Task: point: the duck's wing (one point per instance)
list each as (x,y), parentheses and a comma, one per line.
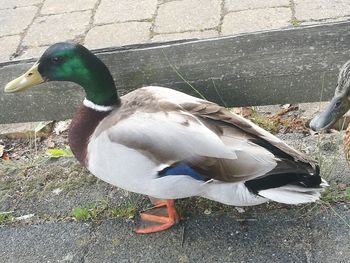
(229,124)
(178,137)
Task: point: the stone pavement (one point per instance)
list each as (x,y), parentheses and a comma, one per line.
(27,27)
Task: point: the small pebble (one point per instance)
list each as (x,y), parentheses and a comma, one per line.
(240,210)
(50,144)
(24,217)
(57,191)
(207,211)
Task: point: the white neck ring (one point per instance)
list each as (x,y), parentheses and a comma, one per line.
(96,107)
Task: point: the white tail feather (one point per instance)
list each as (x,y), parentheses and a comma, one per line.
(293,194)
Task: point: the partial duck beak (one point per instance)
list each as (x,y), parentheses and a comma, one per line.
(338,106)
(29,79)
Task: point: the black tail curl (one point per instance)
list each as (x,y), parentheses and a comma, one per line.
(306,180)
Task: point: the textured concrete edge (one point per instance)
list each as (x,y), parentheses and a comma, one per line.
(269,66)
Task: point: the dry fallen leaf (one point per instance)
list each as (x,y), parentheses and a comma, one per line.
(286,106)
(5,157)
(49,143)
(61,126)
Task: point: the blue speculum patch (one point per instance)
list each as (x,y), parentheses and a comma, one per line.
(182,169)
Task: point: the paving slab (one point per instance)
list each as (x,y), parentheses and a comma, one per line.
(321,9)
(8,46)
(180,16)
(66,6)
(110,11)
(245,21)
(197,16)
(14,21)
(4,4)
(185,35)
(32,52)
(71,25)
(118,34)
(238,5)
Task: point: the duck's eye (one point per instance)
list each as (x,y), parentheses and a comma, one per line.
(57,59)
(337,104)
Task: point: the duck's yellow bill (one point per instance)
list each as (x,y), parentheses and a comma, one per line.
(29,79)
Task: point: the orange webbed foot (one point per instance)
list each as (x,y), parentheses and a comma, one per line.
(161,217)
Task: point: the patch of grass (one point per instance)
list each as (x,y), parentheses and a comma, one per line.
(97,210)
(347,193)
(5,217)
(126,211)
(264,122)
(81,214)
(90,212)
(335,194)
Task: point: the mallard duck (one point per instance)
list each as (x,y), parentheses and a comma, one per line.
(168,145)
(338,106)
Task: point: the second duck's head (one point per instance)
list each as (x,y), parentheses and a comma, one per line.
(339,104)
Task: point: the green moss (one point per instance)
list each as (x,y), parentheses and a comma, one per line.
(43,180)
(197,205)
(264,122)
(150,20)
(295,22)
(126,211)
(116,242)
(138,78)
(22,167)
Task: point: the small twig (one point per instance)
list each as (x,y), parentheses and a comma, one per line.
(217,92)
(246,219)
(183,236)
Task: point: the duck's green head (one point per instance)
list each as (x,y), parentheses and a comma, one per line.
(70,62)
(339,104)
